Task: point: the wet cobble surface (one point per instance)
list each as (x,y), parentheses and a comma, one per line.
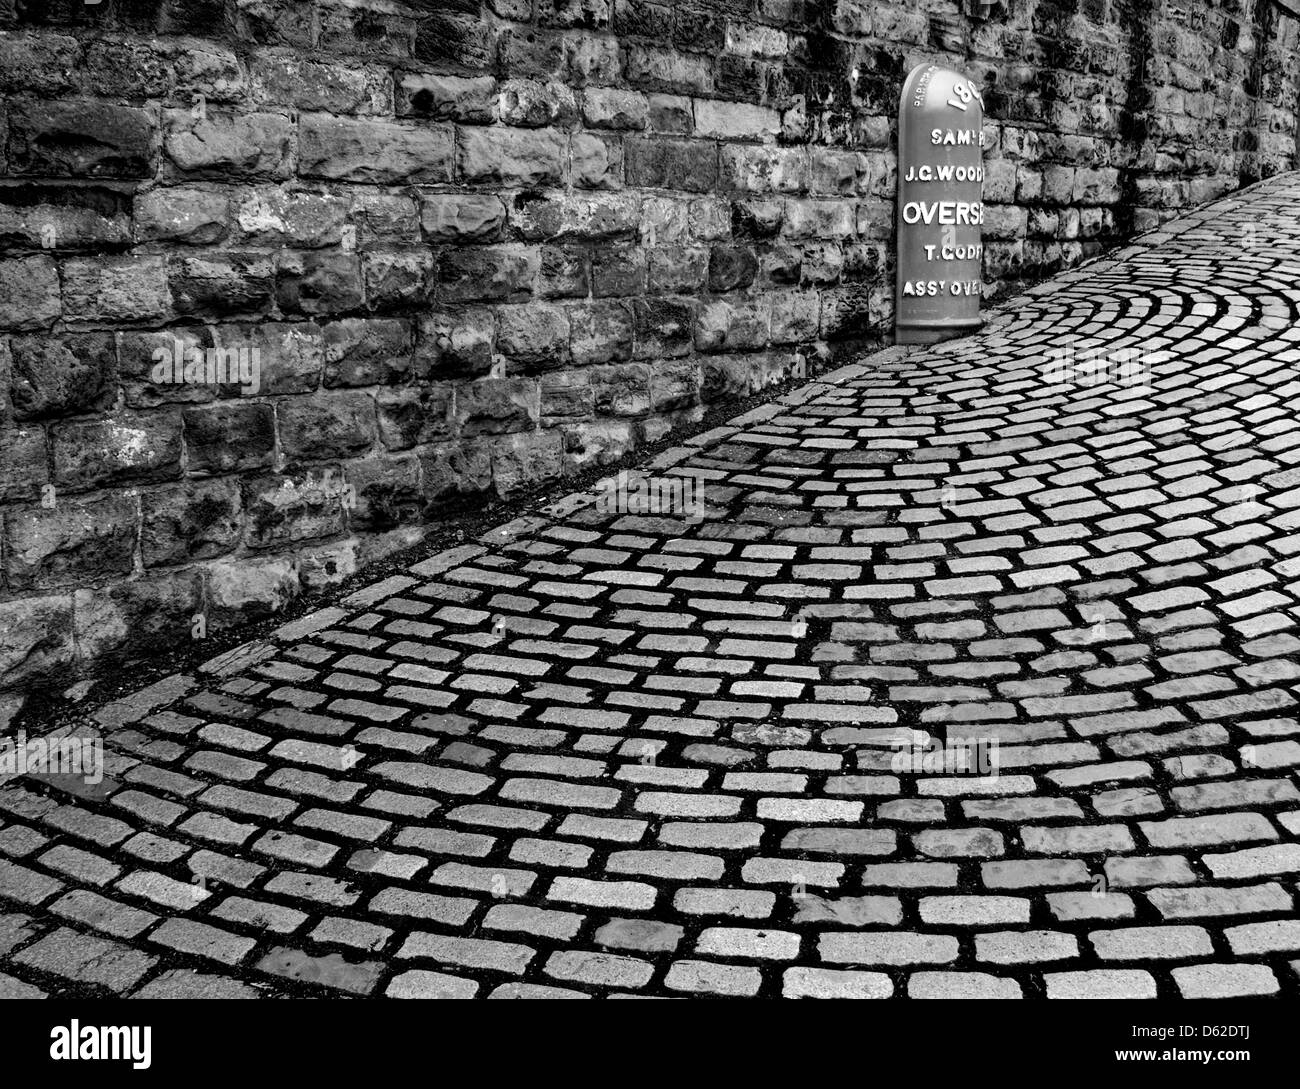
(974,673)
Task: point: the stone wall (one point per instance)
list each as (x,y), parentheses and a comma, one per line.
(442,252)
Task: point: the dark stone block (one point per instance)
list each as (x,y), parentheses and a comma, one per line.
(195,520)
(128,447)
(229,437)
(76,540)
(318,283)
(326,426)
(731,267)
(691,165)
(58,375)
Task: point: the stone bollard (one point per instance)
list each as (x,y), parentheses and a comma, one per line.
(940,210)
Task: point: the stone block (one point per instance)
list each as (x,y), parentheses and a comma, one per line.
(496,406)
(127,447)
(77,540)
(456,342)
(195,520)
(144,615)
(601,332)
(285,508)
(462,217)
(36,638)
(223,146)
(86,139)
(181,214)
(499,273)
(326,426)
(222,284)
(535,334)
(230,436)
(367,351)
(116,289)
(414,416)
(61,374)
(690,165)
(375,152)
(318,283)
(510,157)
(471,100)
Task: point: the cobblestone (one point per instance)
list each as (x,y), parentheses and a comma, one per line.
(634,753)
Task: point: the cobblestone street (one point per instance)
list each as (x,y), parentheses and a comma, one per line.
(606,753)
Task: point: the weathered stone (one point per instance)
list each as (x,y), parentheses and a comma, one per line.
(296,506)
(664,327)
(622,390)
(181,214)
(157,613)
(530,104)
(222,145)
(222,283)
(601,332)
(609,108)
(496,406)
(316,86)
(597,163)
(454,471)
(114,289)
(24,468)
(676,270)
(249,587)
(373,151)
(731,267)
(510,157)
(229,437)
(126,447)
(292,354)
(520,462)
(618,271)
(59,375)
(147,366)
(397,280)
(763,169)
(35,637)
(272,217)
(29,293)
(671,164)
(386,490)
(318,282)
(86,139)
(534,334)
(326,425)
(413,417)
(565,273)
(733,324)
(462,218)
(76,540)
(504,273)
(54,216)
(456,342)
(580,216)
(735,120)
(195,520)
(468,99)
(367,351)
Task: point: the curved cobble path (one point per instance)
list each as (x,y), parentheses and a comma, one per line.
(611,753)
